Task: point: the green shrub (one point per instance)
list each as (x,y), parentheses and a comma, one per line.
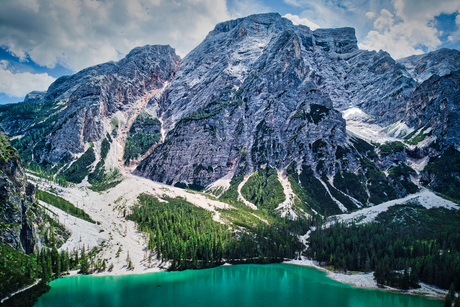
(263,189)
(391,147)
(351,184)
(62,204)
(350,205)
(445,169)
(231,195)
(138,144)
(17,270)
(105,146)
(79,169)
(311,191)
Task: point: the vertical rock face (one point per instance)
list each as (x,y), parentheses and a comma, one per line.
(17,212)
(78,109)
(435,105)
(245,98)
(441,62)
(257,91)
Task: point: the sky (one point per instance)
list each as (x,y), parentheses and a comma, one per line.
(41,40)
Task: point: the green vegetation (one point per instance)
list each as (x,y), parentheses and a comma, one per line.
(422,243)
(400,175)
(115,123)
(341,152)
(7,152)
(207,111)
(264,189)
(378,185)
(231,195)
(215,107)
(242,216)
(145,118)
(138,144)
(105,147)
(391,147)
(420,137)
(318,112)
(79,169)
(364,148)
(311,191)
(62,204)
(99,179)
(38,122)
(51,232)
(188,237)
(442,173)
(105,180)
(347,202)
(107,135)
(17,270)
(351,184)
(180,231)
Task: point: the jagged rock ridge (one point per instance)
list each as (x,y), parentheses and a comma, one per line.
(257,91)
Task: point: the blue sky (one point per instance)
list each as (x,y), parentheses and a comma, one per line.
(41,40)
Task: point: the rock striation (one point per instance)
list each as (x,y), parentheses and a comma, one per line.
(257,92)
(18,214)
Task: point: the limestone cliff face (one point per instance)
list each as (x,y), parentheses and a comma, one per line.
(245,98)
(257,91)
(435,106)
(17,210)
(78,109)
(441,62)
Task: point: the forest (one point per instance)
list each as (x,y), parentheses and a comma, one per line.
(189,237)
(405,245)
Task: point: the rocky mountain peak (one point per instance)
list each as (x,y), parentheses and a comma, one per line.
(440,62)
(257,92)
(342,40)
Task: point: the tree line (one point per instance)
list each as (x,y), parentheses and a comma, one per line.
(401,253)
(187,236)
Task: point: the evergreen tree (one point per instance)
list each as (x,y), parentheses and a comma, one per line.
(452,290)
(448,300)
(457,301)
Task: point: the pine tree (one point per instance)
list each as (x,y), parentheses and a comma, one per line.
(457,301)
(452,290)
(448,300)
(84,264)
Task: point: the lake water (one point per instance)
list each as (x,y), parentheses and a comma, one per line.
(237,285)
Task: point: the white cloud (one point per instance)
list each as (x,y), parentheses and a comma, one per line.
(293,3)
(303,21)
(19,84)
(370,15)
(80,33)
(409,28)
(4,64)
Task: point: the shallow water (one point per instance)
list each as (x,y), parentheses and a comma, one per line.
(237,285)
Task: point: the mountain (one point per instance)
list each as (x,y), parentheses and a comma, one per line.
(339,126)
(17,213)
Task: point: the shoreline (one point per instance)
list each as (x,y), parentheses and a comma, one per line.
(366,281)
(355,279)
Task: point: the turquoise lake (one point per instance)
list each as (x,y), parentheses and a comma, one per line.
(237,285)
